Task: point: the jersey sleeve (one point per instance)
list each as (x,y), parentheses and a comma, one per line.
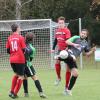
(72,39)
(23,45)
(34,52)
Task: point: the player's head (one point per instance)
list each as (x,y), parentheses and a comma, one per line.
(61,22)
(15,28)
(84,33)
(29,37)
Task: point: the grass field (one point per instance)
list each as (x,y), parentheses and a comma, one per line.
(87,86)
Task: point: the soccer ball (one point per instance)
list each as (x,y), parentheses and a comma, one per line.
(63,54)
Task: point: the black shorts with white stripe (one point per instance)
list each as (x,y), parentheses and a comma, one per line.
(29,71)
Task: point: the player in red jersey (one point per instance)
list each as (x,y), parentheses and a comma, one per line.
(61,35)
(15,47)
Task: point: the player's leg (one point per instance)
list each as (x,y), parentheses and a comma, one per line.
(67,77)
(25,86)
(25,82)
(58,72)
(14,79)
(38,86)
(74,74)
(32,73)
(20,72)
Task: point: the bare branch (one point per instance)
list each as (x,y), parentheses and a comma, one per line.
(26,3)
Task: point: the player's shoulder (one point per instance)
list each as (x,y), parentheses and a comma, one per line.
(33,48)
(67,30)
(20,37)
(76,36)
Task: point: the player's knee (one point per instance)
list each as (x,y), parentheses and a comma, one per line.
(25,77)
(57,61)
(67,69)
(75,72)
(21,77)
(34,77)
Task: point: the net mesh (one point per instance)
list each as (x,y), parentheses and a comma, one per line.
(42,30)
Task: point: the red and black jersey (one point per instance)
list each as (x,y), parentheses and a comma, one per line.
(62,35)
(16,43)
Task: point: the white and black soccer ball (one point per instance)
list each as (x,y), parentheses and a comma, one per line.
(63,54)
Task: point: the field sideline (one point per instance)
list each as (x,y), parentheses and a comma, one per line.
(87,86)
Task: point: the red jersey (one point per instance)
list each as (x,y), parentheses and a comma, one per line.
(16,43)
(62,35)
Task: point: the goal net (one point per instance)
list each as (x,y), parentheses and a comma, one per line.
(41,28)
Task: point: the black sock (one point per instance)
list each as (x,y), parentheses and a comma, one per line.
(72,82)
(25,85)
(38,85)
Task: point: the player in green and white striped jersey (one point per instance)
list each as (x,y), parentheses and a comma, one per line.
(29,69)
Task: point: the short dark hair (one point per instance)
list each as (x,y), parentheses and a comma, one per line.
(85,31)
(14,27)
(29,37)
(61,18)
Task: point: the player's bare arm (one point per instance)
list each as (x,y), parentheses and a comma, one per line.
(91,51)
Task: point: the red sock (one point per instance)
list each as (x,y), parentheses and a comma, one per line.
(18,86)
(58,70)
(68,75)
(14,81)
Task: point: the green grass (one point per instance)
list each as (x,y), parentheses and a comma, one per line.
(87,86)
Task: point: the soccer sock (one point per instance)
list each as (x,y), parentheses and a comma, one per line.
(25,85)
(38,85)
(68,74)
(58,70)
(18,86)
(14,81)
(72,82)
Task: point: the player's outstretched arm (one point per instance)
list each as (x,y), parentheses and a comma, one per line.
(91,51)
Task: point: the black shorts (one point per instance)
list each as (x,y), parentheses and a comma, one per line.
(18,68)
(71,63)
(29,71)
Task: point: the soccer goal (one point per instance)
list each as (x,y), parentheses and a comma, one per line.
(43,30)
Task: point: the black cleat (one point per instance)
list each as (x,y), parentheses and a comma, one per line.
(12,95)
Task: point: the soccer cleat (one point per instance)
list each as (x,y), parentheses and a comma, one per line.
(57,82)
(13,96)
(10,94)
(42,95)
(67,92)
(26,95)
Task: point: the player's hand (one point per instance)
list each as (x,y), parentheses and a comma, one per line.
(93,49)
(56,57)
(51,51)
